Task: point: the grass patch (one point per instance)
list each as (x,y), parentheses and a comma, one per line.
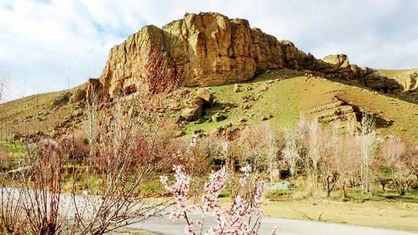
(15,147)
(276,95)
(393,215)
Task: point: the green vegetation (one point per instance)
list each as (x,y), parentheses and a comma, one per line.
(61,99)
(282,96)
(270,96)
(17,148)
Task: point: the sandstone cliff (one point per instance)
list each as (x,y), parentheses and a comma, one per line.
(204,49)
(210,49)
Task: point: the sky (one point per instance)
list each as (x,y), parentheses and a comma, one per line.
(51,45)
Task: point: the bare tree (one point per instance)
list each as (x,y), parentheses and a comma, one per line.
(402,162)
(291,151)
(315,146)
(126,152)
(4,84)
(368,143)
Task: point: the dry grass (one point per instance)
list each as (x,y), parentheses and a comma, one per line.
(384,214)
(379,214)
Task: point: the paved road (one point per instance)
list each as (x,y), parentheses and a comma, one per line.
(286,227)
(163,225)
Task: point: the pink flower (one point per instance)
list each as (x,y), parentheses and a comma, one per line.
(246,170)
(233,221)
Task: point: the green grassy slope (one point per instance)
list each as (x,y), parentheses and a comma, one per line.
(280,96)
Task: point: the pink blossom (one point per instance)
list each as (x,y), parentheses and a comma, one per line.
(235,220)
(246,170)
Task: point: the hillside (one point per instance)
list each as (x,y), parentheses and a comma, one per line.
(252,76)
(279,96)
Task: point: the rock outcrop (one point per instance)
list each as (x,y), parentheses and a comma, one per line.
(203,49)
(94,91)
(411,83)
(208,49)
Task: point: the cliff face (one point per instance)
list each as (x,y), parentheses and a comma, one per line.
(204,49)
(210,49)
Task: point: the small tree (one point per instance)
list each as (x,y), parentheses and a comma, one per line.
(243,216)
(368,143)
(261,146)
(126,150)
(290,152)
(402,163)
(316,149)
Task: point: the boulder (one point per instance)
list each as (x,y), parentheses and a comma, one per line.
(237,88)
(245,106)
(61,99)
(411,84)
(191,114)
(205,95)
(339,61)
(242,120)
(263,88)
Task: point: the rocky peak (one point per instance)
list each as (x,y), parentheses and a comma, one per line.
(207,49)
(204,49)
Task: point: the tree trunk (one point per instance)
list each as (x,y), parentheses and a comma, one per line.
(344,190)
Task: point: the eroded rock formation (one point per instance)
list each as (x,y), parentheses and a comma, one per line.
(204,49)
(209,49)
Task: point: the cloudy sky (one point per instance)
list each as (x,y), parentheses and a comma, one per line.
(49,45)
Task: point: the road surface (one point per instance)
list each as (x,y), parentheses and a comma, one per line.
(285,227)
(162,225)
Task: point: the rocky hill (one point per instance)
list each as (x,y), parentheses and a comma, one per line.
(246,75)
(209,49)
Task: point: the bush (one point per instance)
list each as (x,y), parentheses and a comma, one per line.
(61,99)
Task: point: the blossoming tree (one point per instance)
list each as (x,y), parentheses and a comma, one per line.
(241,218)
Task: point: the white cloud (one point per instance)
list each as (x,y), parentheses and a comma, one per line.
(55,44)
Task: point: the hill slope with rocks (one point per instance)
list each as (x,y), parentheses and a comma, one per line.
(227,75)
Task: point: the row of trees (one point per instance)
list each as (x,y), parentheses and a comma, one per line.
(356,159)
(321,157)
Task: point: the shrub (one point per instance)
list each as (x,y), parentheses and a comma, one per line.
(61,99)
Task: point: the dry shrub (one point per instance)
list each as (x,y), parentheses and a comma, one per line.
(401,158)
(126,151)
(12,214)
(42,188)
